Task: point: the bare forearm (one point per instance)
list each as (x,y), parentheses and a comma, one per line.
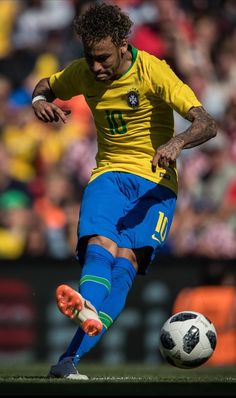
(43,88)
(202,129)
(43,106)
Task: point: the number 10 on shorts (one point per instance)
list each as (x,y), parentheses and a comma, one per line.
(161,228)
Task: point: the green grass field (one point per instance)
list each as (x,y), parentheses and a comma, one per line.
(131,380)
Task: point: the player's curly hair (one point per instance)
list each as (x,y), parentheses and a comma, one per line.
(101,21)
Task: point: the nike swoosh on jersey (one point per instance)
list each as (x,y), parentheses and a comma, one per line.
(155,238)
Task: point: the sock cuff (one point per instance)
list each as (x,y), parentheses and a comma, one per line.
(96,279)
(97,250)
(107,321)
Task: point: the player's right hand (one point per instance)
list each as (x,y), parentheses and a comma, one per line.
(49,112)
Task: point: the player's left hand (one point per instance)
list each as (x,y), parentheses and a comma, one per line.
(167,153)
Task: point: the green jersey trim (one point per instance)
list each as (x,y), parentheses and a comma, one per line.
(134,52)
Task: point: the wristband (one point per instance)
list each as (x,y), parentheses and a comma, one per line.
(38,98)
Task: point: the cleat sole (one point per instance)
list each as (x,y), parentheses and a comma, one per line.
(72,305)
(68,301)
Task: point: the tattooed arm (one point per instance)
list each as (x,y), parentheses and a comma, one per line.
(202,129)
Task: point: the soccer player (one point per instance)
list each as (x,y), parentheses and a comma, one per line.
(129,202)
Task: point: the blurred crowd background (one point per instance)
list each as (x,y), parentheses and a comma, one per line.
(44,167)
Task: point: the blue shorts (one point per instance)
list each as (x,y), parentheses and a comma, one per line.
(130,210)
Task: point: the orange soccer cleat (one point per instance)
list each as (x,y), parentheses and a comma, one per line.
(81,311)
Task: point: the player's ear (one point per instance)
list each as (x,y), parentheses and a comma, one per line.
(124,46)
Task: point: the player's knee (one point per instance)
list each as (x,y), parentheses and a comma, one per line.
(107,243)
(128,254)
(123,274)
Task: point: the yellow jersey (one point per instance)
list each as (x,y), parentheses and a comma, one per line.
(133,115)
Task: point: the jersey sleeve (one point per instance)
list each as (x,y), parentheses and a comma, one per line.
(66,83)
(172,89)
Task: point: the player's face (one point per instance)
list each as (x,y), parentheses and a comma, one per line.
(105,60)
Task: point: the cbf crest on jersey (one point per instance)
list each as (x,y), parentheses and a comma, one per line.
(133,98)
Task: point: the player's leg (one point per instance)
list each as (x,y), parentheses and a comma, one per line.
(94,286)
(101,207)
(123,275)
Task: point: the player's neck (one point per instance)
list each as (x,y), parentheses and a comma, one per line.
(125,64)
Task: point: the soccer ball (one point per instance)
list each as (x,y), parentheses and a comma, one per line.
(187,339)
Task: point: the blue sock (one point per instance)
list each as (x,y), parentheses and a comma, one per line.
(95,285)
(123,275)
(95,280)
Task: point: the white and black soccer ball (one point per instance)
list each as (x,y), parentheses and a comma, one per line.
(187,339)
